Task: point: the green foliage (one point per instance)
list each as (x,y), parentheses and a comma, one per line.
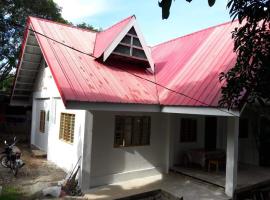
(6,84)
(166,5)
(249,80)
(10,193)
(89,27)
(16,12)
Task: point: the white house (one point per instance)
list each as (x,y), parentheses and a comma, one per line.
(129,110)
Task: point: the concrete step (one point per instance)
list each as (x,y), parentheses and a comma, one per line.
(38,153)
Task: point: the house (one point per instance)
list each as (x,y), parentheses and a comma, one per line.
(127,109)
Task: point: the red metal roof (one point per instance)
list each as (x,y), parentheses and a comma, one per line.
(190,65)
(106,37)
(79,77)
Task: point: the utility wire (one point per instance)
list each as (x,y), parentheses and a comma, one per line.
(153,82)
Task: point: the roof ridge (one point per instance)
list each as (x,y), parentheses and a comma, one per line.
(193,33)
(118,23)
(68,25)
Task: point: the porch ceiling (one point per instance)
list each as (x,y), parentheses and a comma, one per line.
(28,68)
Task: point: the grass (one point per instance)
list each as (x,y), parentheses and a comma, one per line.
(10,193)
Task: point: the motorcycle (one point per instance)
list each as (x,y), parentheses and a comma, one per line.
(12,157)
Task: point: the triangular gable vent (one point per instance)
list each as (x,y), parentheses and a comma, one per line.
(130,45)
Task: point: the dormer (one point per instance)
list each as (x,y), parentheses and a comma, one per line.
(124,42)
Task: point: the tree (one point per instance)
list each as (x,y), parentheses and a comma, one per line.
(13,15)
(249,80)
(88,26)
(15,12)
(166,5)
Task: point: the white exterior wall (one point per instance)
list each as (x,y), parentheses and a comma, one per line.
(109,164)
(46,97)
(104,164)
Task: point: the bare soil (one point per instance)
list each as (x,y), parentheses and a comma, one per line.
(37,174)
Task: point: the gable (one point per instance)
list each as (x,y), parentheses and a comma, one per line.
(33,74)
(106,37)
(80,77)
(128,44)
(28,67)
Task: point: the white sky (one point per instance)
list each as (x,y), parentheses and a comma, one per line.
(76,9)
(184,18)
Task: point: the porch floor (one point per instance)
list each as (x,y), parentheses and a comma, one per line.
(248,175)
(176,184)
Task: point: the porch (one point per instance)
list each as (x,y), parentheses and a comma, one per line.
(165,150)
(176,184)
(248,175)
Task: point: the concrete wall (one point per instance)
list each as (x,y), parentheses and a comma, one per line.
(248,152)
(109,164)
(46,97)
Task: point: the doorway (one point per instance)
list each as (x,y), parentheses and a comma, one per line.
(210,139)
(264,138)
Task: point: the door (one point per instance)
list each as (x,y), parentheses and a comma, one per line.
(42,123)
(264,148)
(210,139)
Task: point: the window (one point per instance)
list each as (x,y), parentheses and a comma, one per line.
(188,131)
(243,128)
(42,121)
(131,46)
(132,131)
(67,123)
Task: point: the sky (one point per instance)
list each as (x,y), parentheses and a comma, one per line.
(185,17)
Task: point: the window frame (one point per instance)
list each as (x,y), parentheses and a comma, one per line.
(63,126)
(183,130)
(130,46)
(132,135)
(42,121)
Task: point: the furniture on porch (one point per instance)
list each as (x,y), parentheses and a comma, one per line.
(202,157)
(214,162)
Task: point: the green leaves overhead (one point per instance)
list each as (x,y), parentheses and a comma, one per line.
(166,5)
(249,80)
(211,2)
(13,15)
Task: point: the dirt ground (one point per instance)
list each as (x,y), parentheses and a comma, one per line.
(37,174)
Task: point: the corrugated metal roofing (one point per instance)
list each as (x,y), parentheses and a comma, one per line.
(79,77)
(189,65)
(106,37)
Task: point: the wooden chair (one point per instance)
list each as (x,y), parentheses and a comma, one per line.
(214,162)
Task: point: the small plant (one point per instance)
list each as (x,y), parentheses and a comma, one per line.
(11,193)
